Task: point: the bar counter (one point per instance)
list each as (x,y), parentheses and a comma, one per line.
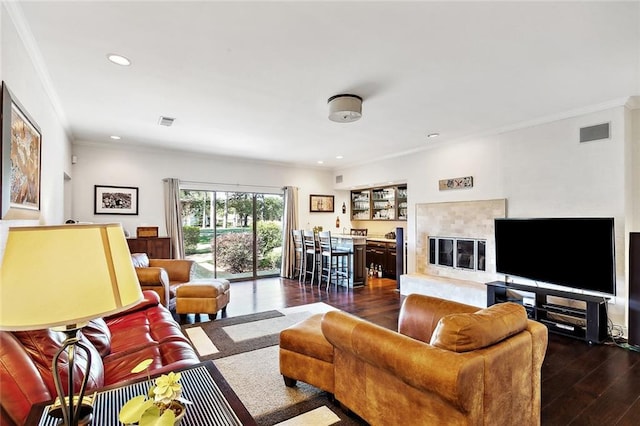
(357,247)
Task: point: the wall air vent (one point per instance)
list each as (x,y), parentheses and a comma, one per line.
(166,121)
(339,179)
(594,133)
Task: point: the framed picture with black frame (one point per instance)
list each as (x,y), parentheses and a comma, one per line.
(115,200)
(321,203)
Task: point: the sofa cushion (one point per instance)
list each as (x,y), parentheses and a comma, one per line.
(97,332)
(42,345)
(143,328)
(140,260)
(166,356)
(470,331)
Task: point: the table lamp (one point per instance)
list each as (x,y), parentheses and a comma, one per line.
(60,277)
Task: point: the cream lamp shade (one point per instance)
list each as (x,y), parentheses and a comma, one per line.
(56,276)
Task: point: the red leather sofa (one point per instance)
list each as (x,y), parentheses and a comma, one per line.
(117,345)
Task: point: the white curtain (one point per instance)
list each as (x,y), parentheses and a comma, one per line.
(173,216)
(289,223)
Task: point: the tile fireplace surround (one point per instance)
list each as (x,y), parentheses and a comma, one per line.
(470,219)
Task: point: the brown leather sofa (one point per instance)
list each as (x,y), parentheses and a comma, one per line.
(163,276)
(449,363)
(117,344)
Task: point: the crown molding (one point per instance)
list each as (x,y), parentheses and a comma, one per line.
(633,102)
(24,32)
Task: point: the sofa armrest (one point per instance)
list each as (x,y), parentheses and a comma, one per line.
(156,279)
(454,377)
(152,275)
(21,382)
(177,269)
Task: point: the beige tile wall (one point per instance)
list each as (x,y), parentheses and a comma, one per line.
(472,219)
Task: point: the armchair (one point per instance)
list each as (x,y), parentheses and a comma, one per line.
(163,276)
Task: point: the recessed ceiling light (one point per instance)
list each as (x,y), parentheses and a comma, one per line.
(339,157)
(433,135)
(114,137)
(320,162)
(118,59)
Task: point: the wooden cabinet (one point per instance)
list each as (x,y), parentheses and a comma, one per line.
(401,203)
(360,205)
(375,253)
(390,261)
(156,248)
(384,254)
(383,203)
(359,264)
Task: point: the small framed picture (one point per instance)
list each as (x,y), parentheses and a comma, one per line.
(321,203)
(115,200)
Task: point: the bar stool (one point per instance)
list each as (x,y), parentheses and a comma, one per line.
(311,254)
(298,248)
(333,262)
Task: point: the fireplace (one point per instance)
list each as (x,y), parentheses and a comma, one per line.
(456,239)
(455,250)
(461,253)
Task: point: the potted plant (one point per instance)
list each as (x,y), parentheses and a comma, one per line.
(162,406)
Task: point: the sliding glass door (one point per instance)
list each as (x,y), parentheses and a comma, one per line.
(233,235)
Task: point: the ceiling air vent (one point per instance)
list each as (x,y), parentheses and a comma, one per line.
(166,121)
(339,179)
(594,133)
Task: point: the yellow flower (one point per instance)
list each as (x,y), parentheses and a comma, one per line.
(167,388)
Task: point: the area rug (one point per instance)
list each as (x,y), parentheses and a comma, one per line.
(245,350)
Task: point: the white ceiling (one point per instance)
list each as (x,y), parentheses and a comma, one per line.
(252,79)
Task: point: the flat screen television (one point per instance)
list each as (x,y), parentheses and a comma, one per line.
(572,252)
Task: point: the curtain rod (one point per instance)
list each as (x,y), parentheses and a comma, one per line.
(187,182)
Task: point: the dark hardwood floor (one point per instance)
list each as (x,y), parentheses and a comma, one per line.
(581,384)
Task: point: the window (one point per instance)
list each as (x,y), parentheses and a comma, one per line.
(461,253)
(231,234)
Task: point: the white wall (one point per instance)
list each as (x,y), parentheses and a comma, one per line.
(145,169)
(20,73)
(542,171)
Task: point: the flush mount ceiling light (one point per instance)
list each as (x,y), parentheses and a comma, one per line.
(118,59)
(345,108)
(166,121)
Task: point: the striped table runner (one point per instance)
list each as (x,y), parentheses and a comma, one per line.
(209,405)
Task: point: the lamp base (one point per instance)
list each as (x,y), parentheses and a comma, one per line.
(85,414)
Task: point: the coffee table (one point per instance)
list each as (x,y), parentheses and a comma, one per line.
(214,402)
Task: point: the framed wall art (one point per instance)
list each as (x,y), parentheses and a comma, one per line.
(321,203)
(455,183)
(115,200)
(20,160)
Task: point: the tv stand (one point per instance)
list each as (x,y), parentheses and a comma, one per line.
(587,323)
